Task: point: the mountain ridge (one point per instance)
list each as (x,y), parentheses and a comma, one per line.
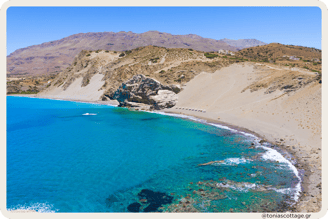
(54,56)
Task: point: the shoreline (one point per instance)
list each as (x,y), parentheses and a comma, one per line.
(206,118)
(280,148)
(284,152)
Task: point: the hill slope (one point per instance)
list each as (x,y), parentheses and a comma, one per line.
(52,57)
(288,55)
(106,70)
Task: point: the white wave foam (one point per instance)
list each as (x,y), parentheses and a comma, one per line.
(232,161)
(181,116)
(89,114)
(284,190)
(244,187)
(223,127)
(274,155)
(38,207)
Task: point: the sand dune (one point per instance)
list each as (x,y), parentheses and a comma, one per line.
(75,91)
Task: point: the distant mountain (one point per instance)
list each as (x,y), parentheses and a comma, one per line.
(243,43)
(55,56)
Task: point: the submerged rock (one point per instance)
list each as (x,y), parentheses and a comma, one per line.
(150,201)
(134,207)
(143,92)
(155,197)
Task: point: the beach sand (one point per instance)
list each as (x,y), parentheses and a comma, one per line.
(91,92)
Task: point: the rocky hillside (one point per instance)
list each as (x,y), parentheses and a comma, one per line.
(102,72)
(244,43)
(55,56)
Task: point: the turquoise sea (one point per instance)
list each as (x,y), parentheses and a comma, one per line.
(67,156)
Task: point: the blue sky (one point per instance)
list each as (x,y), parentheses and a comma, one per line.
(28,26)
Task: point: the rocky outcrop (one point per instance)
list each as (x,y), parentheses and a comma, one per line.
(146,93)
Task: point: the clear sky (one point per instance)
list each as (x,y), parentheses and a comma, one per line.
(28,26)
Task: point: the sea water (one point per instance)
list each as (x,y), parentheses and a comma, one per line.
(67,156)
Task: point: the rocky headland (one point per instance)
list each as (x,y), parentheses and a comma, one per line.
(146,93)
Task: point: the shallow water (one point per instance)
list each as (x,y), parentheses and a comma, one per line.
(67,156)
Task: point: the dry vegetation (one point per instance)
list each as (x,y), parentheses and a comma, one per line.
(285,80)
(278,54)
(28,84)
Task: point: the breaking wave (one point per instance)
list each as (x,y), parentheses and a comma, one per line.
(38,207)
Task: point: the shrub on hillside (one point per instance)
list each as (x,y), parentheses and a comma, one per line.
(210,55)
(122,54)
(154,60)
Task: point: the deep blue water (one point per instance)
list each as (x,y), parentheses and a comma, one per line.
(59,160)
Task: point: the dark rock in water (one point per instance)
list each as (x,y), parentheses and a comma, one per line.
(134,207)
(154,199)
(152,196)
(262,141)
(152,207)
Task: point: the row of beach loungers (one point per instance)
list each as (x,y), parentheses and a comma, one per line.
(190,109)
